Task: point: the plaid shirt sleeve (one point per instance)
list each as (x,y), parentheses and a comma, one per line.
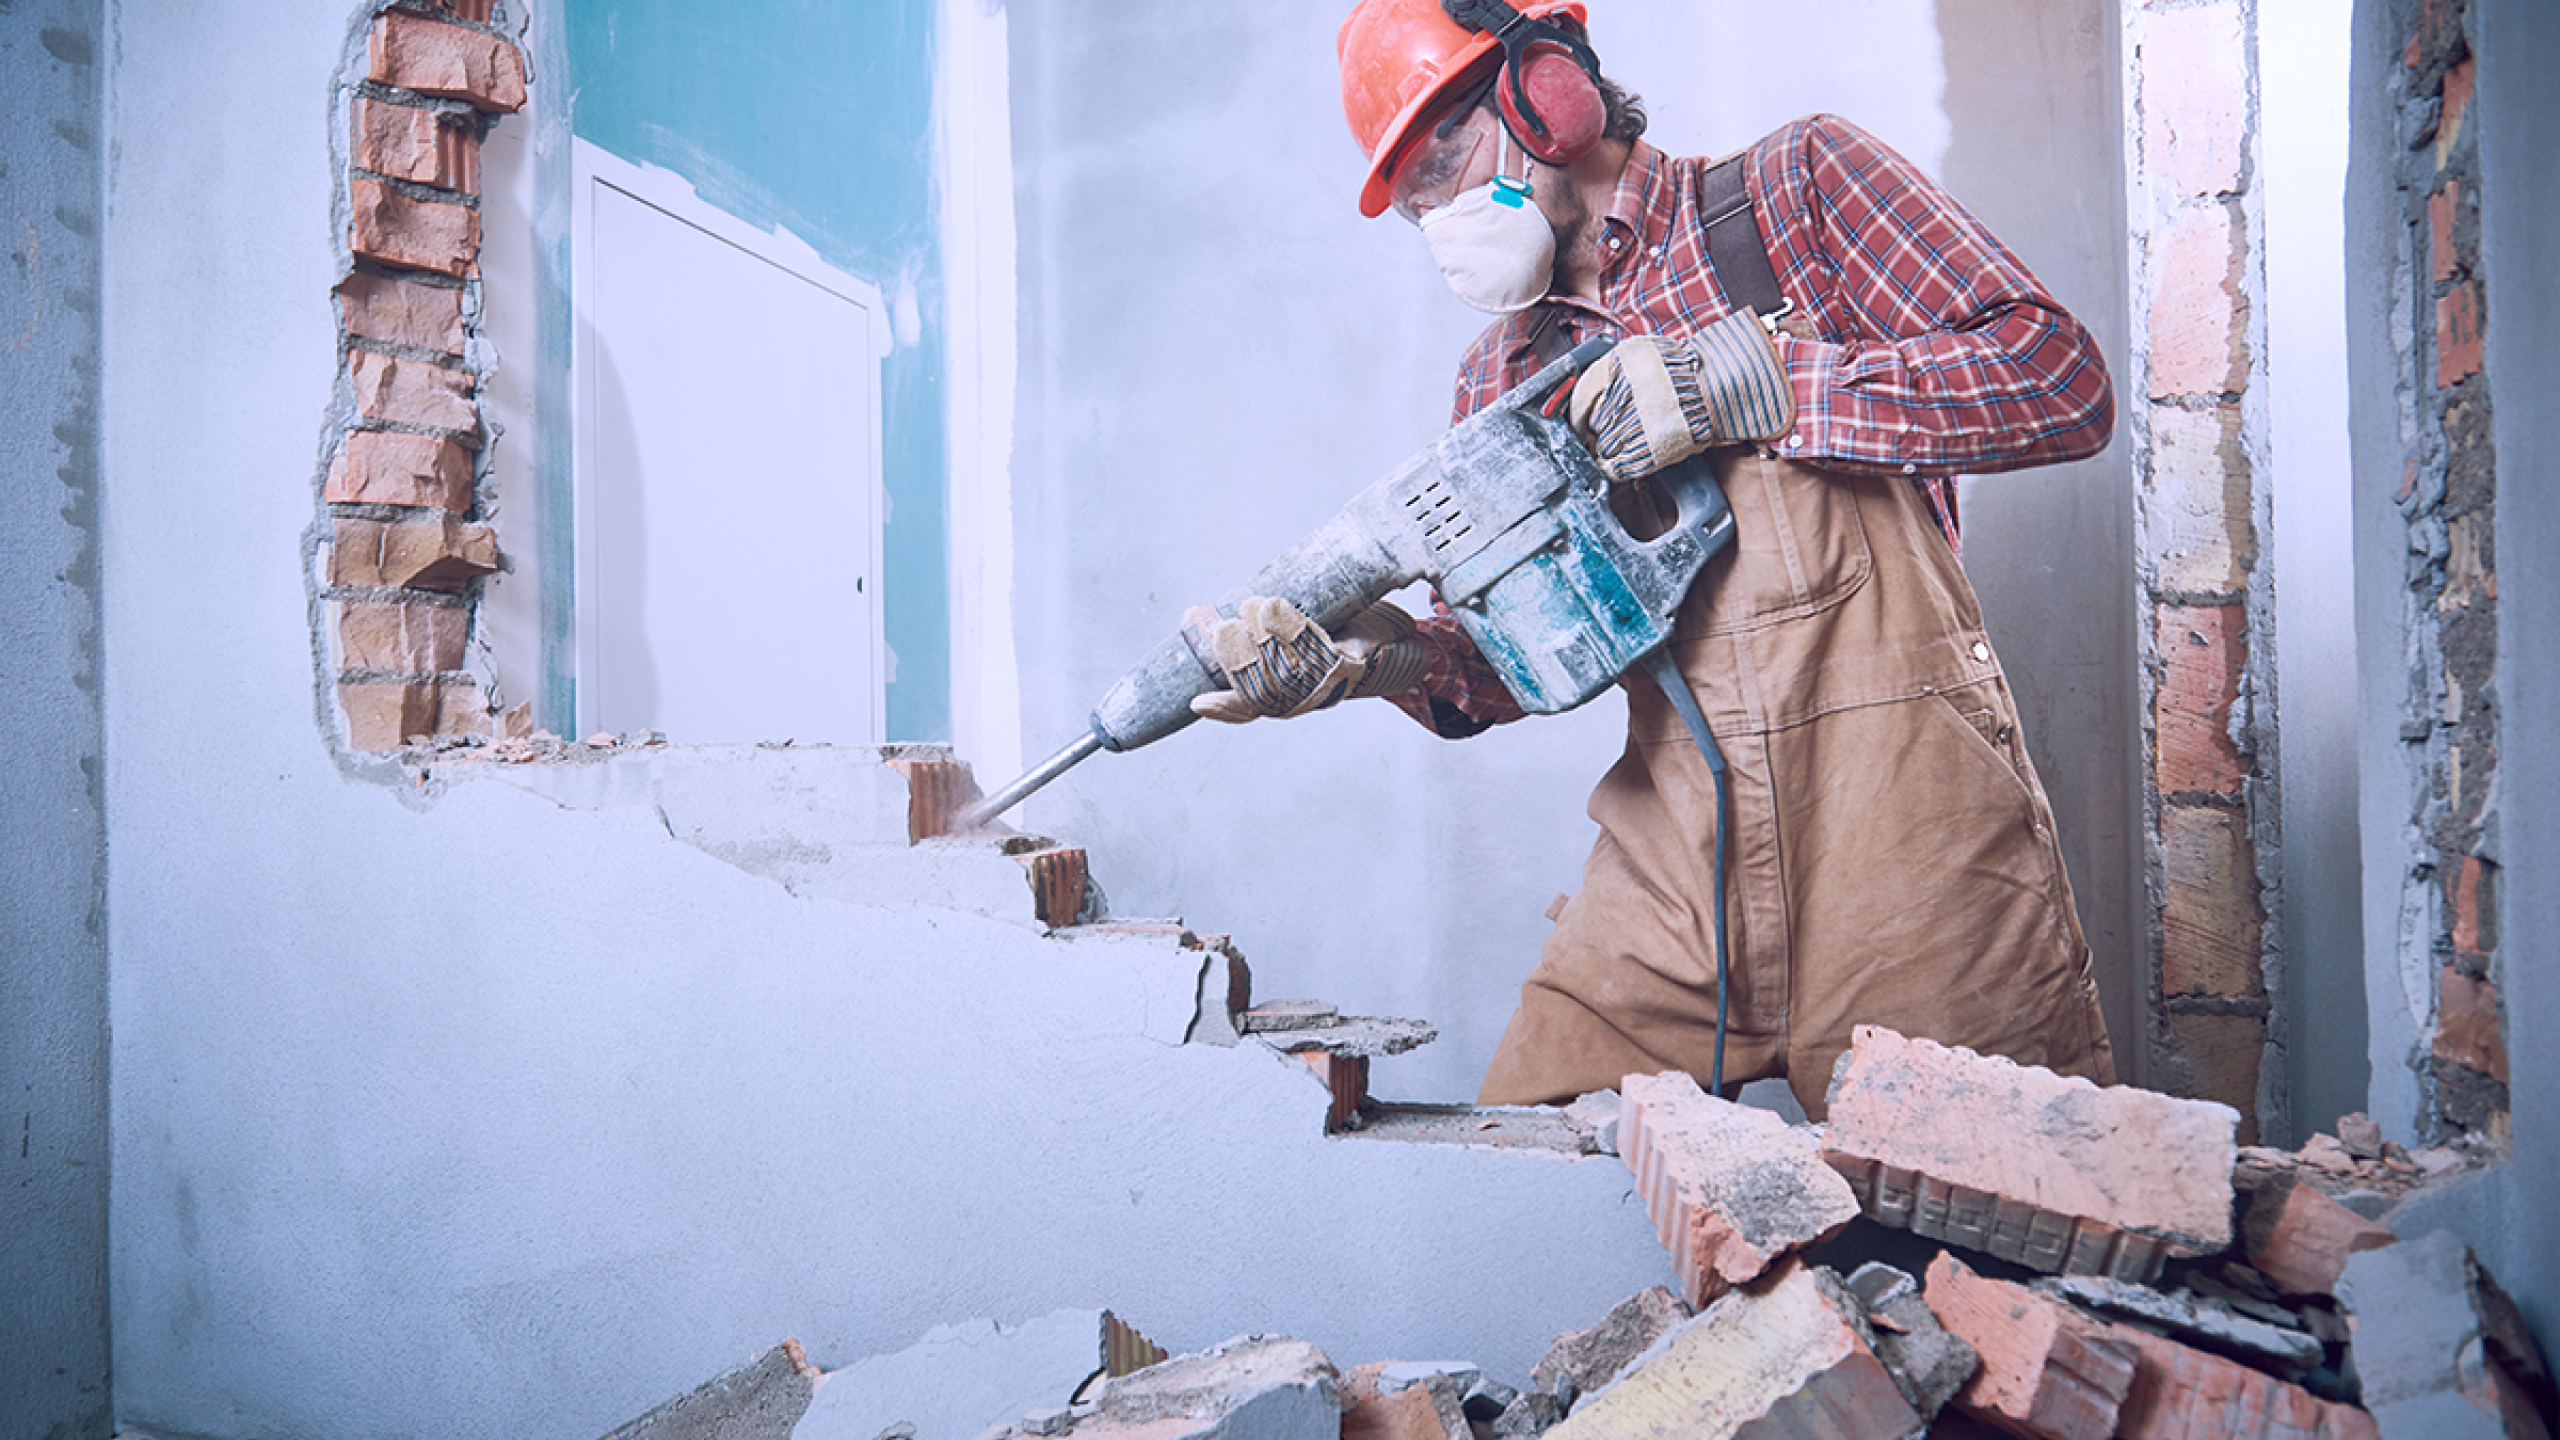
(1934,350)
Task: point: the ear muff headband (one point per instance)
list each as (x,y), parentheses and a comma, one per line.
(1541,63)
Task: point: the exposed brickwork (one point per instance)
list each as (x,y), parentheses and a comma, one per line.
(937,791)
(403,525)
(1057,884)
(1347,1076)
(2211,792)
(2449,719)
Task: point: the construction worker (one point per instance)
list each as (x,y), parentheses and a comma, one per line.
(1843,339)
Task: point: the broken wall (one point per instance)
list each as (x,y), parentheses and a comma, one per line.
(53,948)
(1216,351)
(2417,345)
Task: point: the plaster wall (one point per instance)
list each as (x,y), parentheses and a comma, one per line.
(502,1113)
(53,949)
(1216,351)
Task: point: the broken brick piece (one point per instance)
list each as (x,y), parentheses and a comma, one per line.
(436,554)
(1428,1409)
(397,229)
(2182,1393)
(409,142)
(937,791)
(1347,1076)
(2045,1369)
(391,467)
(1057,884)
(446,61)
(413,392)
(2050,1171)
(1124,1350)
(409,639)
(1730,1188)
(397,311)
(1925,1358)
(1584,1361)
(2298,1237)
(1782,1360)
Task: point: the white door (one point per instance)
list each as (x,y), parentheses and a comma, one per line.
(728,474)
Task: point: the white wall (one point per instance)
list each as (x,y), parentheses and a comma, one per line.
(1217,351)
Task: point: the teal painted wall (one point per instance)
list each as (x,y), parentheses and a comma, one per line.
(817,116)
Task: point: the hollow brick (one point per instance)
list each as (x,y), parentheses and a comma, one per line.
(402,312)
(397,229)
(412,392)
(382,716)
(2043,1369)
(408,142)
(387,467)
(937,790)
(1346,1076)
(1730,1189)
(2298,1237)
(2052,1172)
(446,61)
(1057,878)
(2182,1393)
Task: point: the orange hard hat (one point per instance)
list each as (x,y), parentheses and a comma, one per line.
(1398,58)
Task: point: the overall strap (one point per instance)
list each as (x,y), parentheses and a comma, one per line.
(1741,257)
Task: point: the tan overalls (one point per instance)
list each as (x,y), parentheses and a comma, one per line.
(1893,858)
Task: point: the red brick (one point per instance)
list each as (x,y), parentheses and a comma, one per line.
(2468,1027)
(1783,1360)
(2300,1238)
(2019,1162)
(2223,1054)
(2441,209)
(439,554)
(1124,1350)
(2210,921)
(410,143)
(937,790)
(2182,1393)
(1347,1076)
(2195,87)
(2457,106)
(384,716)
(397,229)
(1430,1410)
(2458,334)
(408,639)
(2199,316)
(1730,1189)
(2463,886)
(1057,878)
(413,392)
(446,61)
(2202,650)
(386,467)
(403,312)
(2046,1369)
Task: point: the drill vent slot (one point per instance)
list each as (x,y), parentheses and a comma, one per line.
(1436,513)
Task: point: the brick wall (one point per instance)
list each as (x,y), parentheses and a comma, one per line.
(2448,939)
(2214,1023)
(404,539)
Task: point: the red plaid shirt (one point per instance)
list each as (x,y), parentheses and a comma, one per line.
(1918,346)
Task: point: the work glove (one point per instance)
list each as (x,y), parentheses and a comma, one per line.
(1276,661)
(1656,399)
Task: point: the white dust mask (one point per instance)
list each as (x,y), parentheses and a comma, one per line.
(1493,243)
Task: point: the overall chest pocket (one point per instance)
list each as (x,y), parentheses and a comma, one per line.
(1800,546)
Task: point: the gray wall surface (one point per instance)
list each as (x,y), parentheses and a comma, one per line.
(53,950)
(1217,351)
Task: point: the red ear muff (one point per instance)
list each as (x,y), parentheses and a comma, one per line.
(1564,116)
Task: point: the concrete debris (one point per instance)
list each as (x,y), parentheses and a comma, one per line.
(760,1400)
(1785,1359)
(1598,1112)
(1928,1361)
(1586,1360)
(2440,1349)
(1533,1412)
(1362,1036)
(2016,1161)
(1730,1188)
(960,1379)
(1288,1015)
(2206,1323)
(1254,1387)
(2361,1136)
